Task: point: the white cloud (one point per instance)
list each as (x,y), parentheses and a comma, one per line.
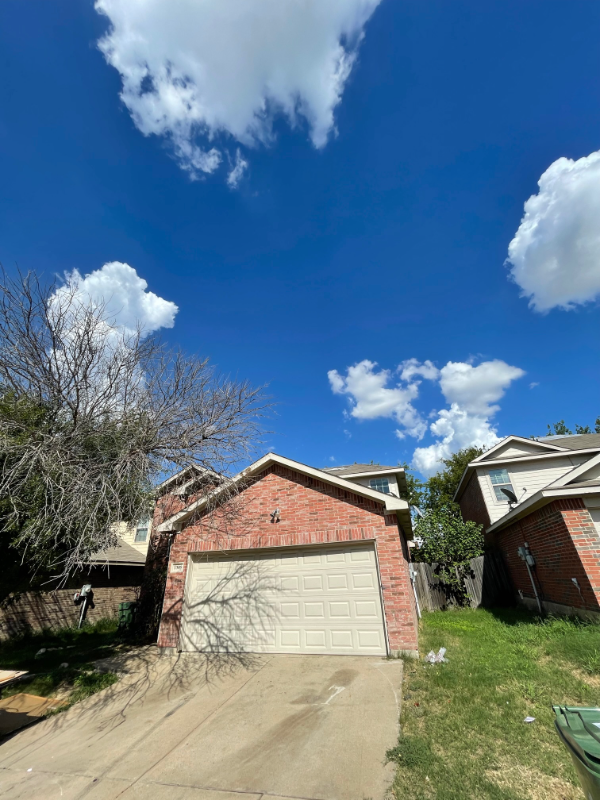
(477,389)
(555,254)
(237,171)
(371,397)
(472,393)
(200,68)
(125,296)
(412,367)
(454,429)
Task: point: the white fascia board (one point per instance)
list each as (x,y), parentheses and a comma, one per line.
(399,471)
(519,459)
(391,503)
(393,471)
(540,457)
(521,439)
(539,499)
(576,472)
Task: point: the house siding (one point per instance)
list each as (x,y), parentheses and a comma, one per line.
(312,512)
(565,543)
(527,478)
(472,503)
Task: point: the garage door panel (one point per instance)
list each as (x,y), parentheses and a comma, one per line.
(323,601)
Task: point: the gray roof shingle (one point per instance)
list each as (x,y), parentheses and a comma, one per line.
(123,553)
(579,441)
(355,469)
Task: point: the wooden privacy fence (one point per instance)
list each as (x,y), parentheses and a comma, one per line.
(487,584)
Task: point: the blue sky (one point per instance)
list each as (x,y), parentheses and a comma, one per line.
(371,241)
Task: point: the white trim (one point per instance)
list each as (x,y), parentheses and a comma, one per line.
(394,471)
(476,464)
(391,503)
(540,498)
(386,633)
(576,472)
(512,438)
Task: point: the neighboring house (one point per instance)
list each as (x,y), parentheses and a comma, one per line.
(556,482)
(303,560)
(115,575)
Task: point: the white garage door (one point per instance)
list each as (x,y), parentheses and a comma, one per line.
(318,600)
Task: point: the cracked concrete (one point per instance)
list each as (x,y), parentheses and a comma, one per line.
(192,727)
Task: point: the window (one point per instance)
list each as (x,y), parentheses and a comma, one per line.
(500,480)
(380,485)
(141,532)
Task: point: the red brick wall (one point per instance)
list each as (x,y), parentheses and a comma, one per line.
(563,539)
(312,512)
(472,504)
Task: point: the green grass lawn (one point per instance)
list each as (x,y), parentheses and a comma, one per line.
(462,730)
(77,648)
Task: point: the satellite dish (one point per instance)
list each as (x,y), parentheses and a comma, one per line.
(512,497)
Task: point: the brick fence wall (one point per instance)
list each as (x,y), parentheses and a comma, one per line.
(35,611)
(312,512)
(565,543)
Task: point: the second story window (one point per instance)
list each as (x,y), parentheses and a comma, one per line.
(141,532)
(500,480)
(380,485)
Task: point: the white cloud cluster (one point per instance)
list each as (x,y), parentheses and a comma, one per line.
(472,393)
(200,68)
(555,254)
(371,397)
(124,295)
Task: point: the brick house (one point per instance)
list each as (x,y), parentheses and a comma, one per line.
(539,503)
(296,560)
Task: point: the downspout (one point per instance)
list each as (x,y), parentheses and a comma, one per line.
(527,557)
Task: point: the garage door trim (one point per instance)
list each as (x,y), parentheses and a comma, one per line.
(345,546)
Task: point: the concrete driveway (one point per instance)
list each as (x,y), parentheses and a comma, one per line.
(217,728)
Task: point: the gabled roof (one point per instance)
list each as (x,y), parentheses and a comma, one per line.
(492,452)
(186,478)
(366,470)
(549,447)
(391,504)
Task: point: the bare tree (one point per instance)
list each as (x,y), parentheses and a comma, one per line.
(93,416)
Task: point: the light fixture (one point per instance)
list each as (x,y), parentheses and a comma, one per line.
(275,515)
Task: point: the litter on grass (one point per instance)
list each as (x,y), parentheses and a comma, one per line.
(529,719)
(437,658)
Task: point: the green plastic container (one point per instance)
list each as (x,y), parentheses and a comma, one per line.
(579,729)
(127,615)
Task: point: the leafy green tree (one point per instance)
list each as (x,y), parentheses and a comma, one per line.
(447,540)
(438,491)
(560,429)
(441,487)
(415,488)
